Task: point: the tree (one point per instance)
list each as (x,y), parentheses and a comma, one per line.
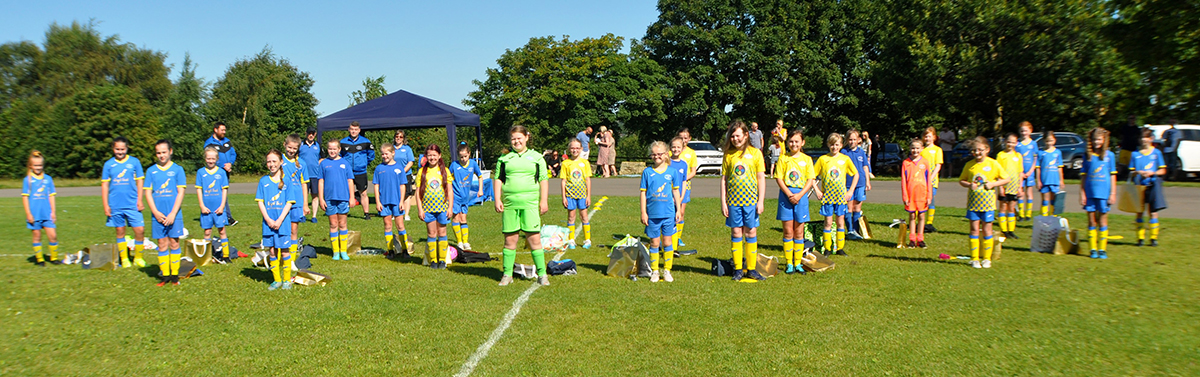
(77,137)
(372,89)
(556,87)
(184,124)
(261,99)
(1161,39)
(76,57)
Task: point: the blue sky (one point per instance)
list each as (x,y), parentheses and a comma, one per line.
(432,48)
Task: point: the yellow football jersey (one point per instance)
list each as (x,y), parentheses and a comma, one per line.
(741,176)
(575,174)
(688,155)
(982,200)
(834,173)
(934,155)
(434,199)
(796,170)
(1012,164)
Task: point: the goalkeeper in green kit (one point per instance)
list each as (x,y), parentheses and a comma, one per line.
(520,186)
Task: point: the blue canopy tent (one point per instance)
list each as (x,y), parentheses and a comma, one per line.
(402,109)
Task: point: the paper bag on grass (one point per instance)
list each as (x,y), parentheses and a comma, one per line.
(101,257)
(816,262)
(864,227)
(902,236)
(766,265)
(1131,198)
(306,277)
(200,251)
(353,242)
(1068,243)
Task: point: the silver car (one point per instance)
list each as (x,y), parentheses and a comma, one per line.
(708,157)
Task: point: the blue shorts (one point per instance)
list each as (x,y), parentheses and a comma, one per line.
(391,210)
(212,220)
(296,214)
(460,206)
(985,216)
(160,231)
(440,217)
(281,241)
(126,217)
(742,216)
(859,195)
(337,207)
(1096,205)
(39,224)
(792,212)
(933,199)
(574,204)
(1029,181)
(687,192)
(664,227)
(1049,189)
(828,210)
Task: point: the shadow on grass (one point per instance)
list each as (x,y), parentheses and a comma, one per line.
(695,270)
(151,271)
(908,259)
(601,268)
(262,276)
(481,271)
(880,242)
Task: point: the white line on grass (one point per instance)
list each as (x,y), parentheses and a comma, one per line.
(484,348)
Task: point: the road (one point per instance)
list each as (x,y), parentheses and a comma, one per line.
(1182,200)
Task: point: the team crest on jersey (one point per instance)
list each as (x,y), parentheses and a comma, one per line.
(435,182)
(576,174)
(793,176)
(739,170)
(343,166)
(834,173)
(980,180)
(396,170)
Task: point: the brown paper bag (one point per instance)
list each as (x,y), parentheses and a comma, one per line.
(902,237)
(353,242)
(767,265)
(996,247)
(199,250)
(102,257)
(1068,242)
(816,262)
(306,277)
(864,227)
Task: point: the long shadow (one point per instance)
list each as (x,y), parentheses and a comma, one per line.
(770,247)
(691,269)
(151,271)
(262,276)
(481,271)
(880,242)
(907,259)
(601,268)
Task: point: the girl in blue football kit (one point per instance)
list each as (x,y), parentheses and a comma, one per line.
(335,188)
(274,203)
(37,195)
(1049,169)
(165,183)
(1098,182)
(389,198)
(465,172)
(212,187)
(660,201)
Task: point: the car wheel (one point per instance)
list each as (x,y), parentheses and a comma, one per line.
(1076,164)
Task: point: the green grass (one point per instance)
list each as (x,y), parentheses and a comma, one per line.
(880,311)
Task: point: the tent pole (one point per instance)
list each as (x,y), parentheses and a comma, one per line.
(479,142)
(452,135)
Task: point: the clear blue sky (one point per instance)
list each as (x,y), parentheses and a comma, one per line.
(432,48)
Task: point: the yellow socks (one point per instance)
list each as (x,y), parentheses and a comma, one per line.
(466,232)
(275,273)
(751,252)
(987,247)
(571,228)
(286,265)
(668,257)
(827,240)
(37,252)
(1092,241)
(122,248)
(388,238)
(1154,229)
(335,242)
(654,259)
(587,231)
(1103,238)
(974,247)
(1141,229)
(431,245)
(457,229)
(787,252)
(53,251)
(841,239)
(443,247)
(929,215)
(138,248)
(295,246)
(736,248)
(164,262)
(175,256)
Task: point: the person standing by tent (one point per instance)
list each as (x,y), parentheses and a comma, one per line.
(226,157)
(522,174)
(359,152)
(405,158)
(310,154)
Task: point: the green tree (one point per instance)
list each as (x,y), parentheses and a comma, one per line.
(372,89)
(80,129)
(184,124)
(261,99)
(557,87)
(77,57)
(1161,39)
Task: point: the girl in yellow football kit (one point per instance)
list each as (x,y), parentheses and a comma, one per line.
(743,174)
(935,157)
(834,171)
(1012,162)
(982,176)
(793,175)
(576,183)
(433,206)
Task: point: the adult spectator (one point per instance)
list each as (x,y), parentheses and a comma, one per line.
(404,157)
(1131,136)
(584,137)
(553,161)
(756,136)
(606,158)
(226,157)
(1171,139)
(310,153)
(360,152)
(947,139)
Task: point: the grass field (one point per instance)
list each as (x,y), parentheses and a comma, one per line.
(881,311)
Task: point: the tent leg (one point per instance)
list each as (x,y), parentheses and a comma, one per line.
(452,135)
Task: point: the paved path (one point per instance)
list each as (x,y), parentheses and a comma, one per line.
(1183,200)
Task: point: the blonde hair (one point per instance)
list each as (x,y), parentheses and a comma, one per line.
(387,148)
(980,141)
(29,163)
(1098,131)
(656,145)
(278,172)
(736,124)
(834,137)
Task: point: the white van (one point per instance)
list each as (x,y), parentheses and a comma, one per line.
(1189,147)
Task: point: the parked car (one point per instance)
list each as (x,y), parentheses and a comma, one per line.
(890,160)
(1073,148)
(1189,148)
(708,157)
